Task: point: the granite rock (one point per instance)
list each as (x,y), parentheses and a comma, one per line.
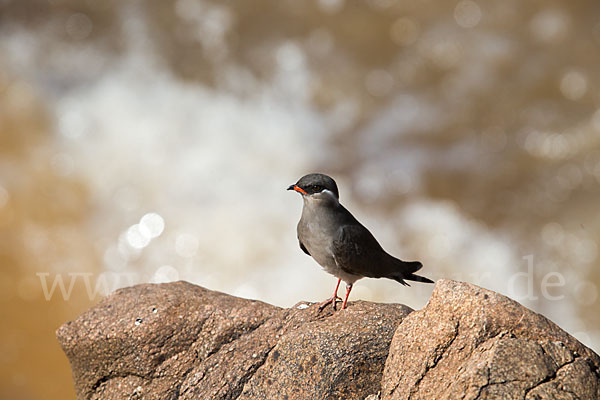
(181,341)
(470,343)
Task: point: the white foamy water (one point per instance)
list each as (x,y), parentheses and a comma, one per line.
(187,180)
(213,165)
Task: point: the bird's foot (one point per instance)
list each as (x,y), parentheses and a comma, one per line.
(330,300)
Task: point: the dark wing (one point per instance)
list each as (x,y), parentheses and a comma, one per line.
(303,248)
(357,252)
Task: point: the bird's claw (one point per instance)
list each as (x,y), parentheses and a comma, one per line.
(330,300)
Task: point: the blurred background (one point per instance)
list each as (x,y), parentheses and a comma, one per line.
(151,141)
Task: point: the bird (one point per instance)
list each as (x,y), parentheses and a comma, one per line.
(344,248)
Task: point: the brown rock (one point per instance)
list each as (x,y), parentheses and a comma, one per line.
(470,343)
(336,357)
(180,341)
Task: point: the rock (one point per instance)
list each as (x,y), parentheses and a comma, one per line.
(470,343)
(180,341)
(336,357)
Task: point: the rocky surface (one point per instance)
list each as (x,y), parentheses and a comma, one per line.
(181,341)
(470,343)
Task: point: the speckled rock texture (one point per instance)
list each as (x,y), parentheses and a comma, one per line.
(181,341)
(472,343)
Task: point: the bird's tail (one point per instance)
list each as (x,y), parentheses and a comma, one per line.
(405,271)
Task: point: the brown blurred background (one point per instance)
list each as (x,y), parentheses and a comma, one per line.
(149,141)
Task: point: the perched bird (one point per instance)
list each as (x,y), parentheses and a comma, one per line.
(339,243)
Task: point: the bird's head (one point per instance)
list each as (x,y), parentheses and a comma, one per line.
(317,187)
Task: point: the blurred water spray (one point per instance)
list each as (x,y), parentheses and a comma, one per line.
(148,142)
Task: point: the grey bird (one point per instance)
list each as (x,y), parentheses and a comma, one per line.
(340,244)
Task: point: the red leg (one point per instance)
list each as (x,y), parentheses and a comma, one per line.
(335,296)
(333,299)
(348,289)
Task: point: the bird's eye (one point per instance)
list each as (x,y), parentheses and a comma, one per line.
(316,188)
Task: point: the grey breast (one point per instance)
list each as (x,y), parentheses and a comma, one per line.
(316,230)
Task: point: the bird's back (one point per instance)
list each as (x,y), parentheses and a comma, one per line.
(358,252)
